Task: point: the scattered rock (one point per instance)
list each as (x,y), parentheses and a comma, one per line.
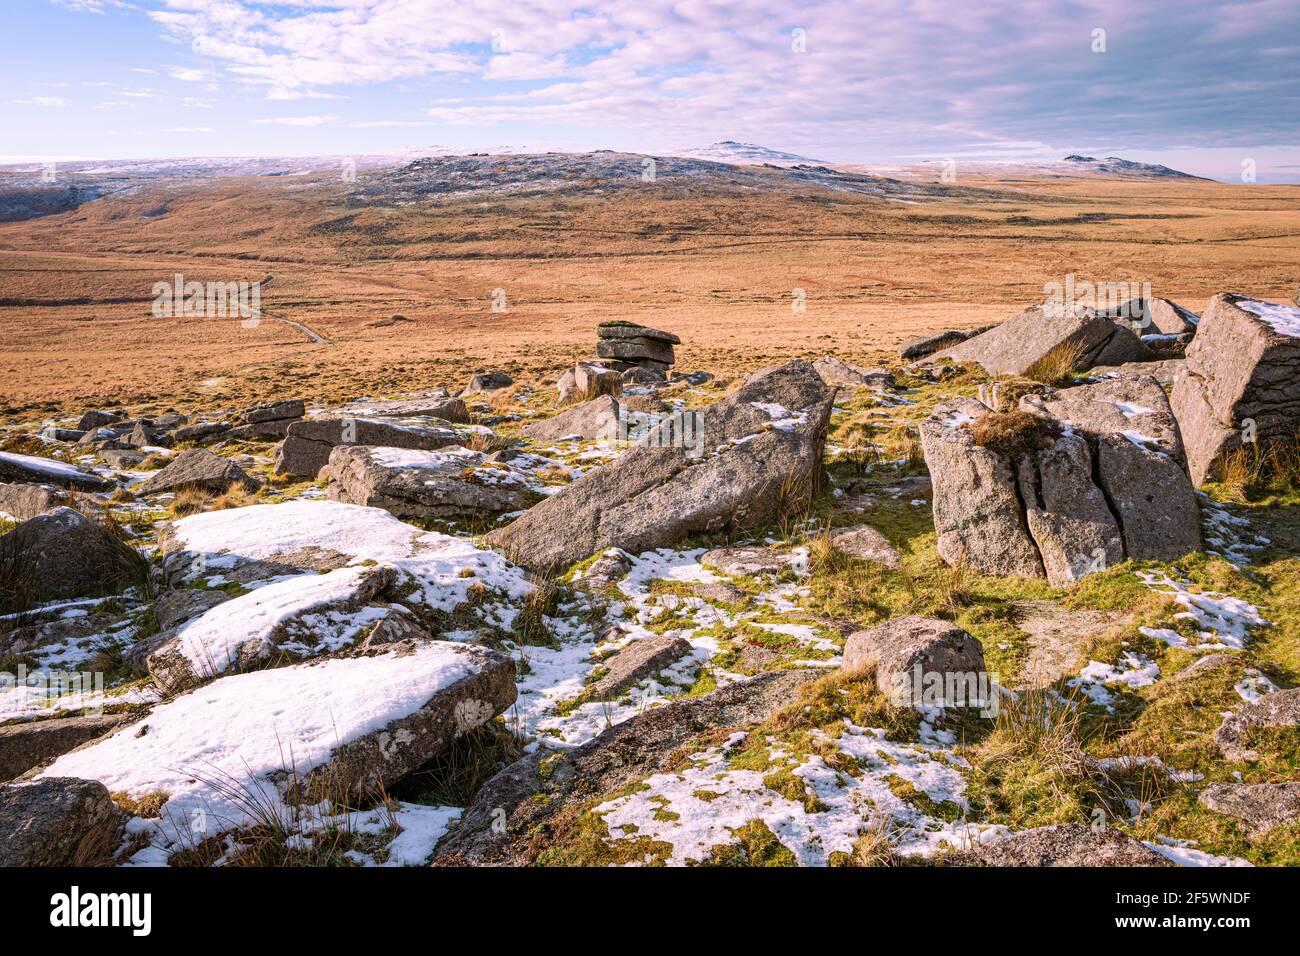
(1155,316)
(719,591)
(123,458)
(198,468)
(1261,806)
(926,345)
(1280,709)
(436,405)
(276,411)
(1164,371)
(745,561)
(448,483)
(35,742)
(606,571)
(487,382)
(63,554)
(1058,637)
(97,419)
(58,822)
(199,432)
(1242,367)
(640,659)
(901,649)
(595,419)
(1071,844)
(866,543)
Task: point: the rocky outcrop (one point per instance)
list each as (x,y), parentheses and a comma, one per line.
(449,483)
(866,544)
(1242,380)
(308,443)
(636,345)
(64,554)
(533,790)
(434,405)
(58,822)
(35,742)
(748,460)
(1018,344)
(916,349)
(199,468)
(1105,481)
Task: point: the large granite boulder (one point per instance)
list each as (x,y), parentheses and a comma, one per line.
(63,554)
(632,344)
(58,822)
(742,462)
(836,371)
(199,468)
(448,483)
(1242,380)
(48,471)
(1262,807)
(308,443)
(1018,344)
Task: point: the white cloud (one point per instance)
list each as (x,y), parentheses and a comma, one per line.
(188,74)
(191,129)
(48,102)
(297,120)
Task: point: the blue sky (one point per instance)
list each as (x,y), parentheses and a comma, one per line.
(1202,87)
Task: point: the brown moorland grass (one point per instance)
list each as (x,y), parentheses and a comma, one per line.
(718,268)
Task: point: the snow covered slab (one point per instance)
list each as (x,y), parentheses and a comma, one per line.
(303,615)
(48,471)
(293,735)
(261,542)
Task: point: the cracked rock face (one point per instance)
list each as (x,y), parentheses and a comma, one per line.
(1111,486)
(1243,366)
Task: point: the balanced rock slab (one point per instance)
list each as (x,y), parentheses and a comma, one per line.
(752,458)
(1015,346)
(1243,371)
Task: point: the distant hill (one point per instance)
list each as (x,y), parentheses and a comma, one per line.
(729,151)
(1126,168)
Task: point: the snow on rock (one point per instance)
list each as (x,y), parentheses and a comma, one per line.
(303,615)
(250,738)
(433,569)
(1283,318)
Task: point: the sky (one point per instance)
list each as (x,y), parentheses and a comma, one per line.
(1210,88)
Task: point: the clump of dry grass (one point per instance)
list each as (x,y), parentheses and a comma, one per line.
(1056,367)
(907,441)
(189,501)
(1012,434)
(236,496)
(1257,467)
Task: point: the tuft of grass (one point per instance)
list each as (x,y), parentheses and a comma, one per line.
(1058,365)
(190,500)
(1012,434)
